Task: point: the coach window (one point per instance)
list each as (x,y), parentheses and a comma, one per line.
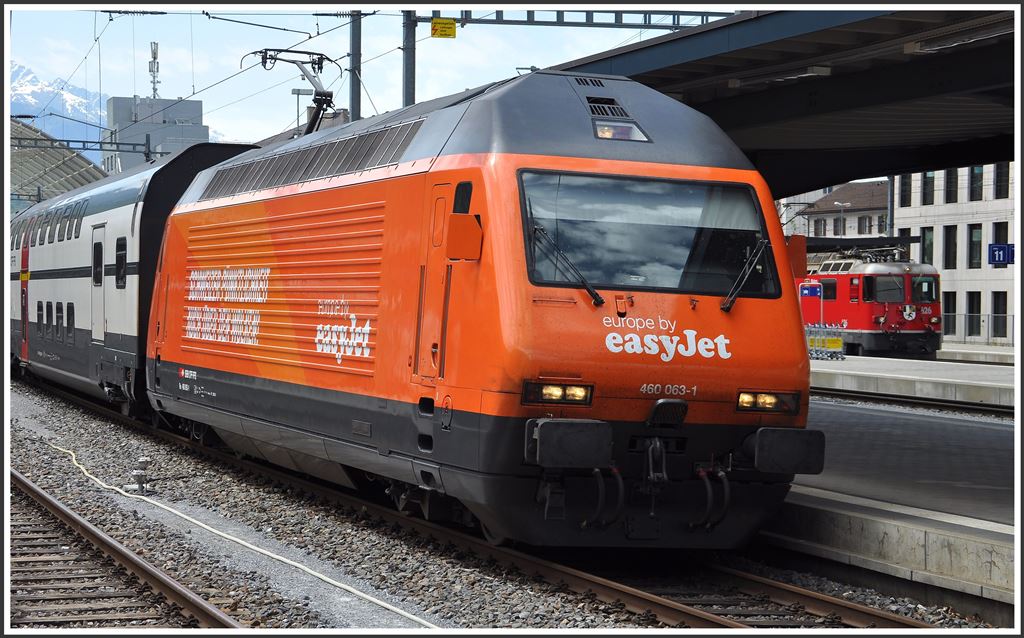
(32,226)
(121,262)
(828,289)
(49,320)
(78,218)
(51,227)
(39,317)
(97,263)
(71,324)
(62,225)
(59,330)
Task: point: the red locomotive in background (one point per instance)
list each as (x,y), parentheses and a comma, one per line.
(883,304)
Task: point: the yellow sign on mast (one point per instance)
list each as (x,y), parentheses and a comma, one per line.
(442,27)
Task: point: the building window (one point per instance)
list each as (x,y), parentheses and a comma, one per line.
(949,313)
(904,191)
(927,244)
(820,227)
(952,185)
(999,313)
(882,224)
(1002,181)
(949,247)
(1000,235)
(71,323)
(827,190)
(837,226)
(828,289)
(974,245)
(864,225)
(928,188)
(973,313)
(977,173)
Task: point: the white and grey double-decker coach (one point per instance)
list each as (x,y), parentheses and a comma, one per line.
(81,274)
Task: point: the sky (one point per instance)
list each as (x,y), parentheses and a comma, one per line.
(197,52)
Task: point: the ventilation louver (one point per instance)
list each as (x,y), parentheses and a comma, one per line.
(349,155)
(605,107)
(589,82)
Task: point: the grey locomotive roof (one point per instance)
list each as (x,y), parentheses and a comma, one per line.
(898,268)
(542,113)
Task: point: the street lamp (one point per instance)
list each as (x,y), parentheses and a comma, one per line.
(297,93)
(842,220)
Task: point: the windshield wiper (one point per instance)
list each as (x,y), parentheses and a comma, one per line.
(748,267)
(540,231)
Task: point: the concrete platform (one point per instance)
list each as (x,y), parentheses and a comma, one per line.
(974,383)
(977,353)
(953,552)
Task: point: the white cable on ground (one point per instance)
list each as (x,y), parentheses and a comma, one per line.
(309,571)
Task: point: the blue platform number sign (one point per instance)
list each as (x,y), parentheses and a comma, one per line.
(1000,254)
(810,290)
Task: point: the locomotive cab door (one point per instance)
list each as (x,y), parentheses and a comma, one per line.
(98,327)
(434,275)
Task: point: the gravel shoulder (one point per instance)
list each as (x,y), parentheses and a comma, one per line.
(445,586)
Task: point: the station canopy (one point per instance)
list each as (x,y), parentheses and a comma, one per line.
(817,98)
(53,171)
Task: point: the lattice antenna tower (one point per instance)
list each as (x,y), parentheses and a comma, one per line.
(154,67)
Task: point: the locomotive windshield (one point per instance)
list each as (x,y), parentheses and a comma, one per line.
(889,289)
(629,233)
(925,289)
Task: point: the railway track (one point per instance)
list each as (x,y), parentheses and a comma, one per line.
(920,402)
(65,571)
(744,593)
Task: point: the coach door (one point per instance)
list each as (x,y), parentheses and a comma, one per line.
(98,328)
(24,296)
(434,277)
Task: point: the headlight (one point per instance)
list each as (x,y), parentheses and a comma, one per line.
(936,319)
(557,393)
(783,402)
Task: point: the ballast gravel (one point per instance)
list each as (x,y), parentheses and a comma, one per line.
(445,586)
(441,584)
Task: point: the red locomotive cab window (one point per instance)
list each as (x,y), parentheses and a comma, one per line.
(828,289)
(890,289)
(925,289)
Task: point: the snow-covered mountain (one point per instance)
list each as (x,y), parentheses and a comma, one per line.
(32,96)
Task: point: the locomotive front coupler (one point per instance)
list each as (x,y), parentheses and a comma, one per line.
(706,471)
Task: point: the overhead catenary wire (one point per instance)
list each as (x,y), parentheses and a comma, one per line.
(59,91)
(246,544)
(194,93)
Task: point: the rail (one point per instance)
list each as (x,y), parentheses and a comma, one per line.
(914,401)
(634,599)
(191,604)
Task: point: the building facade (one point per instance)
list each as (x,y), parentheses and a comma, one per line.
(172,125)
(959,213)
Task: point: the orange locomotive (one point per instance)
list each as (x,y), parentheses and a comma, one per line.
(557,307)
